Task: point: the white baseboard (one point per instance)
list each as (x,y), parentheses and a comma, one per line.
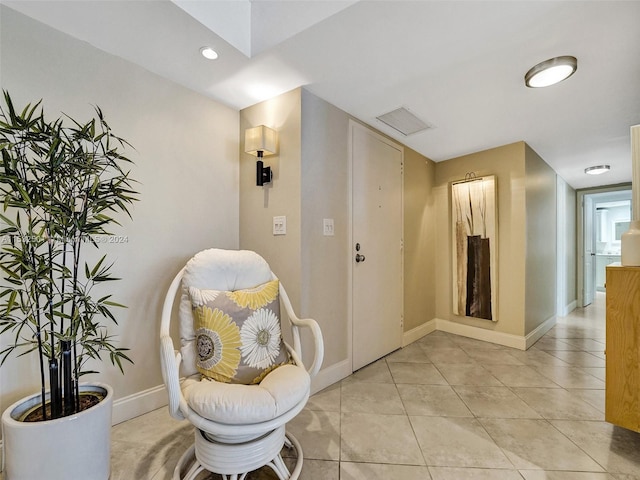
(139,403)
(330,375)
(570,308)
(500,338)
(418,332)
(543,328)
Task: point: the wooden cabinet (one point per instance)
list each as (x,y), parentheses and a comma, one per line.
(622,396)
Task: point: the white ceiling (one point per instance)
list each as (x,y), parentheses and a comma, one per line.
(458,65)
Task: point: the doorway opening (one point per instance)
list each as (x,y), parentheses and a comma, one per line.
(603,216)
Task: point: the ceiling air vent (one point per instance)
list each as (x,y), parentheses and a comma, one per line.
(404,121)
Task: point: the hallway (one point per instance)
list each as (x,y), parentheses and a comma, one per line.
(444,408)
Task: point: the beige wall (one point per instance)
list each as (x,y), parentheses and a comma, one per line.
(540,279)
(507,163)
(325,192)
(311,185)
(258,205)
(566,268)
(420,232)
(186,154)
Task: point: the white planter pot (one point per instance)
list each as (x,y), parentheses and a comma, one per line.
(67,448)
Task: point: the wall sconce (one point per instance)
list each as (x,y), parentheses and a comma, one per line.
(260,141)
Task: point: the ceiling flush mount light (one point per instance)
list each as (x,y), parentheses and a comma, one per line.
(261,141)
(208,53)
(551,71)
(597,170)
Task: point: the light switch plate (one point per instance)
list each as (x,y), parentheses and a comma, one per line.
(280,225)
(327,227)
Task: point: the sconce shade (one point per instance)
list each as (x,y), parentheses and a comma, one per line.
(260,139)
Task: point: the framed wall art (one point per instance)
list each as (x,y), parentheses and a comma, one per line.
(474,233)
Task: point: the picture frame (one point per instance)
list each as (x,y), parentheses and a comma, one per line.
(474,222)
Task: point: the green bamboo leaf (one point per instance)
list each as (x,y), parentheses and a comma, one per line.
(9,272)
(11,302)
(114,304)
(97,266)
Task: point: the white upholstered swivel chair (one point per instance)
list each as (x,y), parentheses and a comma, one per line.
(239,428)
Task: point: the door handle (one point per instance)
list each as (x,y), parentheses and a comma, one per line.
(359,258)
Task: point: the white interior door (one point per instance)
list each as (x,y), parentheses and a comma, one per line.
(376,246)
(589,252)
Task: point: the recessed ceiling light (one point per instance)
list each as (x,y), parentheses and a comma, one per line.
(209,53)
(551,71)
(597,170)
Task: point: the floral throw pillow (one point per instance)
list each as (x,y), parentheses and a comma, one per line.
(237,333)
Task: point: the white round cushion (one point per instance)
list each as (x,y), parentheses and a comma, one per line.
(234,404)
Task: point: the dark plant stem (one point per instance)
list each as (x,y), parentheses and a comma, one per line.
(58,380)
(75,318)
(67,371)
(54,391)
(35,291)
(43,397)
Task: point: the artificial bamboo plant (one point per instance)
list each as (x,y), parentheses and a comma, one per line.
(62,183)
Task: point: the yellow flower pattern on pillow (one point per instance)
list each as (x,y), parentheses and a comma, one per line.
(238,335)
(217,342)
(256,297)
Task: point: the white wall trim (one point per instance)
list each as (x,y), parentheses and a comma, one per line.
(506,339)
(569,308)
(139,403)
(543,328)
(330,375)
(418,332)
(500,338)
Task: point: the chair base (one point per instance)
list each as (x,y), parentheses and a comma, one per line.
(235,461)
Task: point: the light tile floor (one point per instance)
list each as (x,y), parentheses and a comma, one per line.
(443,408)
